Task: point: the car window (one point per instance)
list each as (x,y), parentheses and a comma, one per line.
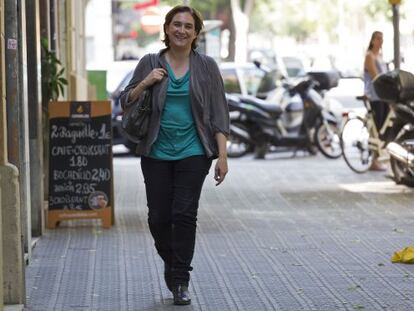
(252,77)
(294,66)
(231,82)
(125,81)
(268,83)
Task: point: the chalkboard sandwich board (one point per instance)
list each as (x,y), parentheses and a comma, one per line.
(80,162)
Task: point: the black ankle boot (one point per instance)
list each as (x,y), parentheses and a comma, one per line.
(168,277)
(181,295)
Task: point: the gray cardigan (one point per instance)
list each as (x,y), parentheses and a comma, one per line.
(208,102)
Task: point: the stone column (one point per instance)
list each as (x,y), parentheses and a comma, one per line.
(1,252)
(24,156)
(3,137)
(35,116)
(16,96)
(13,263)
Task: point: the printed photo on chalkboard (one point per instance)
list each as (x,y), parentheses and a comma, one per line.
(97,200)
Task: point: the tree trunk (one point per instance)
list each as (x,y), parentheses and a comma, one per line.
(241,19)
(232,41)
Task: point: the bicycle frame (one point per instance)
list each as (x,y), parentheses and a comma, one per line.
(375,143)
(359,151)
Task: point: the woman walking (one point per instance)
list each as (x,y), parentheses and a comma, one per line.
(188,129)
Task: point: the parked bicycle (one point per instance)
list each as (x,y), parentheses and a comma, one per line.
(361,140)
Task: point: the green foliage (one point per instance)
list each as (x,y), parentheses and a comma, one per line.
(210,9)
(53,80)
(301,18)
(287,20)
(382,8)
(376,8)
(299,30)
(207,8)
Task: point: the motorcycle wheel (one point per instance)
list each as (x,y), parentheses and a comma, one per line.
(402,173)
(354,143)
(327,139)
(236,147)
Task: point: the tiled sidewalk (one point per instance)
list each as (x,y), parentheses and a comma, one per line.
(280,234)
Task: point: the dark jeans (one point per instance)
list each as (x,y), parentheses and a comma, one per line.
(173,190)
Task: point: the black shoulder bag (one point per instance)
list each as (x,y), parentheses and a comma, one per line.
(136,119)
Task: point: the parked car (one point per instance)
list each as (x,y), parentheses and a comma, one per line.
(118,136)
(242,79)
(294,66)
(250,79)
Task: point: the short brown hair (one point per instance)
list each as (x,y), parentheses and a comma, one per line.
(198,22)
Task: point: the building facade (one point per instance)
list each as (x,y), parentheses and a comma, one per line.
(23,158)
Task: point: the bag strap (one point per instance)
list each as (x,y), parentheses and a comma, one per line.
(154,57)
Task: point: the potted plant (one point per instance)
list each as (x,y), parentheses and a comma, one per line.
(53,81)
(53,85)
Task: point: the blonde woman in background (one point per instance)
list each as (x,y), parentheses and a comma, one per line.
(373,66)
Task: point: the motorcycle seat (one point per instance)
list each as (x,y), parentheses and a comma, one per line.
(273,109)
(396,85)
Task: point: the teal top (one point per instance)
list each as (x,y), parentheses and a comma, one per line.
(177,138)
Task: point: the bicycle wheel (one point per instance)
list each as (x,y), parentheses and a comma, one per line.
(355,145)
(327,140)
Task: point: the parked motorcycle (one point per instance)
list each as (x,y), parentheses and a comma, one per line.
(274,89)
(397,88)
(257,124)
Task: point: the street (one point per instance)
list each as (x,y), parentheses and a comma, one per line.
(303,233)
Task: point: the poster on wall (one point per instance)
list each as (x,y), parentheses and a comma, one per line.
(80,162)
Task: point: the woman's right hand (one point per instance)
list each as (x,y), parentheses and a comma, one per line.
(155,76)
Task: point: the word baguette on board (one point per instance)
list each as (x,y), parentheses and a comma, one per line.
(85,132)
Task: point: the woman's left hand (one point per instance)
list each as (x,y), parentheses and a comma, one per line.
(220,170)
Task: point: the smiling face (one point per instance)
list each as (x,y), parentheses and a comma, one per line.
(181,31)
